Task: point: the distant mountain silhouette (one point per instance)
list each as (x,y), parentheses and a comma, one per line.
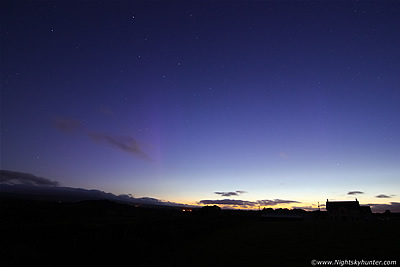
(70,194)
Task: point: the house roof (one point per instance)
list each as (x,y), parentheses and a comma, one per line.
(366,209)
(350,205)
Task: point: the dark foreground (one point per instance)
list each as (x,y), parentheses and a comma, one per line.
(91,233)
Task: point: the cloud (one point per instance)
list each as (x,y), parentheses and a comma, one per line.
(355,192)
(149,200)
(233,202)
(70,194)
(11,177)
(123,143)
(274,202)
(67,125)
(383,196)
(393,207)
(244,203)
(228,194)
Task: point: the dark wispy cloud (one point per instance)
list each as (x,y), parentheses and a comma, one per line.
(67,125)
(229,194)
(245,203)
(383,196)
(274,202)
(12,177)
(149,200)
(393,207)
(123,143)
(230,202)
(355,193)
(41,190)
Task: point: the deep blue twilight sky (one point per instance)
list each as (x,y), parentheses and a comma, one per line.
(291,102)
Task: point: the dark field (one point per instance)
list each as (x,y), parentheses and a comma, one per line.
(91,233)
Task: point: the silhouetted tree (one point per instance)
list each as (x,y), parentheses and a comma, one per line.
(210,210)
(268,209)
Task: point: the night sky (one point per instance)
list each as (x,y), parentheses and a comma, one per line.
(240,104)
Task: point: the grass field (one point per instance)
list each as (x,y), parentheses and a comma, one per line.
(78,235)
(258,243)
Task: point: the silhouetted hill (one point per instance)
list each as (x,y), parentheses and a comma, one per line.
(69,194)
(94,232)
